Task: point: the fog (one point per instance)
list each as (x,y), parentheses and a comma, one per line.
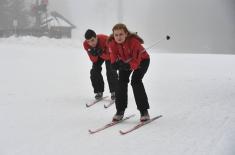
(194,25)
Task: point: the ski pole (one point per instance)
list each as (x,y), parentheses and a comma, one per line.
(157,42)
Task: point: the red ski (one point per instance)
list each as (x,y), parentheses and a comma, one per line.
(139,125)
(95,101)
(109,125)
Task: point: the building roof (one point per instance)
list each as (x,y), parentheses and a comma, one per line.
(56,19)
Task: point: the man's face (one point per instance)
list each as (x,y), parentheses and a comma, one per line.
(92,42)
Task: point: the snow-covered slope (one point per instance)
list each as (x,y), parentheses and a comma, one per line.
(44,85)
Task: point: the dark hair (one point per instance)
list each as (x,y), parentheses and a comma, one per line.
(89,34)
(120,26)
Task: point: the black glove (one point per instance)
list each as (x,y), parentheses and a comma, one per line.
(124,66)
(95,51)
(99,51)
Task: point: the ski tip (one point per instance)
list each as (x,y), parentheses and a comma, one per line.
(91,132)
(105,106)
(108,105)
(121,132)
(156,117)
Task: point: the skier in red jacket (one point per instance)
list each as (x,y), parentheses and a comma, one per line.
(129,56)
(97,50)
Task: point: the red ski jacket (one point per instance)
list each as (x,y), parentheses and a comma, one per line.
(102,43)
(131,51)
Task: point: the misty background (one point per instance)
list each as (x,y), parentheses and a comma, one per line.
(194,25)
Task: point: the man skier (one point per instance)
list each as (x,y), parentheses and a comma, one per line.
(97,50)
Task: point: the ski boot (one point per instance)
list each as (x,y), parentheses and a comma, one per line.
(98,96)
(118,116)
(144,116)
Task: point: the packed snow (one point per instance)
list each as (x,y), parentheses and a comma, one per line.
(45,85)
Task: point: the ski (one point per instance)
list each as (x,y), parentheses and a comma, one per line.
(109,125)
(109,104)
(95,101)
(139,125)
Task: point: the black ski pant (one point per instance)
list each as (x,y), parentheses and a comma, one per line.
(140,95)
(97,78)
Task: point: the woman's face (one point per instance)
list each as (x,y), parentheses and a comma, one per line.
(119,35)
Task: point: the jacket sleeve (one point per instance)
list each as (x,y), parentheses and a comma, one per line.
(137,50)
(92,58)
(113,53)
(105,55)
